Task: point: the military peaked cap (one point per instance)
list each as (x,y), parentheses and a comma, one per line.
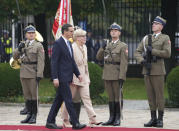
(160,20)
(30,28)
(115,26)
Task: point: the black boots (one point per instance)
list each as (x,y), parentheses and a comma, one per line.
(160,119)
(28,113)
(117,120)
(24,111)
(111,113)
(153,121)
(32,112)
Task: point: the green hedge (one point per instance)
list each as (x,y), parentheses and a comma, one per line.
(10,85)
(173,87)
(96,85)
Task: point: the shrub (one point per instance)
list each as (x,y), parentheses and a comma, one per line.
(173,86)
(96,85)
(9,81)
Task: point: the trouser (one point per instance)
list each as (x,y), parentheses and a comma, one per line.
(155,91)
(85,96)
(113,90)
(29,86)
(63,94)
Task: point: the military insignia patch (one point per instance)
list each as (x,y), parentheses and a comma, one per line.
(127,51)
(42,50)
(169,42)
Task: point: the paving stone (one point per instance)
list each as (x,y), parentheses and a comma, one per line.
(135,114)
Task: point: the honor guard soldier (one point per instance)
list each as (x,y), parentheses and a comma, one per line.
(31,54)
(115,56)
(151,53)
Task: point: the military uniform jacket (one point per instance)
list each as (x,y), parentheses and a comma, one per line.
(32,53)
(161,47)
(115,58)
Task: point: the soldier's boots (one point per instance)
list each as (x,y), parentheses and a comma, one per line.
(153,121)
(117,120)
(111,113)
(160,119)
(24,111)
(32,112)
(32,120)
(26,120)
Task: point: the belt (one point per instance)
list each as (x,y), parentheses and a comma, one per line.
(30,63)
(114,63)
(156,58)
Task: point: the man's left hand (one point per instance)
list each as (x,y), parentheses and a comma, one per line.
(80,78)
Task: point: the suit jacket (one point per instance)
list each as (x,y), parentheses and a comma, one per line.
(161,47)
(62,64)
(32,53)
(81,61)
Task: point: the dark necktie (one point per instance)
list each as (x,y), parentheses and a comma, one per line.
(69,48)
(154,36)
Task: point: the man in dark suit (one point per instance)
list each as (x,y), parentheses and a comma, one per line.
(63,67)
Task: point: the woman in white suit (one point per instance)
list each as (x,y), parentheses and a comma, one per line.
(81,88)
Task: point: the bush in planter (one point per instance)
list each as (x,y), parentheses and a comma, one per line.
(96,85)
(9,81)
(173,87)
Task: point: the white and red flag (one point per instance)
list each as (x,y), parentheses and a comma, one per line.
(63,16)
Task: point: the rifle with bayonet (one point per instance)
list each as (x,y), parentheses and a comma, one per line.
(148,55)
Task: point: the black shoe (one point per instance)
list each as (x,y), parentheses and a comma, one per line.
(78,126)
(26,120)
(32,120)
(53,126)
(24,111)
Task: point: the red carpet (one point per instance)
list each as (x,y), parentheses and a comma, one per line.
(42,128)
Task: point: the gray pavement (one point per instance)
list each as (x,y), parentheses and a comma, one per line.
(135,114)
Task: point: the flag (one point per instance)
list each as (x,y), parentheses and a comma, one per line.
(63,16)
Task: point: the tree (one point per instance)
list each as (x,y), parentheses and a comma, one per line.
(40,9)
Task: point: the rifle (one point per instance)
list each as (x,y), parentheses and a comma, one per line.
(148,65)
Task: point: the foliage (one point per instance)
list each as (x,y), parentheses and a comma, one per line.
(173,86)
(27,7)
(96,85)
(134,89)
(9,81)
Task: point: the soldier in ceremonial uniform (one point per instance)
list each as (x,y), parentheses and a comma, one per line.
(115,56)
(31,54)
(154,81)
